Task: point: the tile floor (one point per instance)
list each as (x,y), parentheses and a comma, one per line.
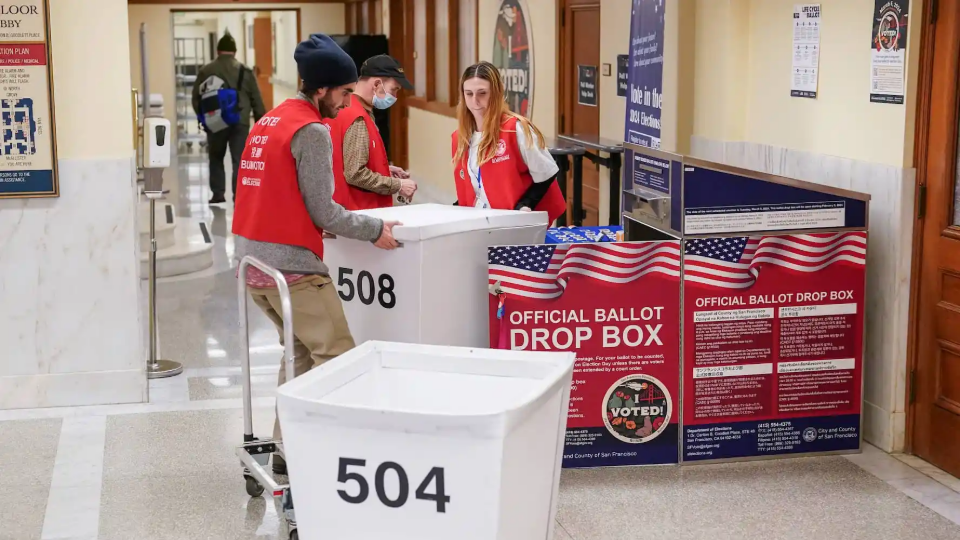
(166,470)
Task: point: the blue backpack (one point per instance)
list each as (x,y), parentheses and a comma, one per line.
(219,104)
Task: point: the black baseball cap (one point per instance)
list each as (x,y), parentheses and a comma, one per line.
(386,66)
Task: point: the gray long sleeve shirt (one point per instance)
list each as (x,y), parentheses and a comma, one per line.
(312,149)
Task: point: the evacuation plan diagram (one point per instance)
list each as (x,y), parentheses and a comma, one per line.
(19,128)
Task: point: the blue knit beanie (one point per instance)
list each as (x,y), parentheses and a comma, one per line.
(323,64)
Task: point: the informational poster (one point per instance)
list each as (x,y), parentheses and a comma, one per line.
(806,51)
(645,73)
(623,79)
(513,54)
(888,49)
(587,85)
(617,305)
(28,161)
(773,344)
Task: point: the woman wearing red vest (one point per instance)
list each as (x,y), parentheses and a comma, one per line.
(500,159)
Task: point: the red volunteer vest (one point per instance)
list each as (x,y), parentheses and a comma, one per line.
(505,178)
(269,206)
(378,162)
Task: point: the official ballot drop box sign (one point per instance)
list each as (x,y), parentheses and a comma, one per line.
(431,290)
(415,442)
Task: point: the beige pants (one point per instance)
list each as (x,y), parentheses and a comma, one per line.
(320,330)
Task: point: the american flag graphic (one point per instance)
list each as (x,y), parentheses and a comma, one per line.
(734,263)
(542,271)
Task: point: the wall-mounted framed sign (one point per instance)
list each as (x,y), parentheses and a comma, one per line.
(587,85)
(513,54)
(28,148)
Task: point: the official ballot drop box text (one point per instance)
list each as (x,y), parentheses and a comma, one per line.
(415,442)
(432,290)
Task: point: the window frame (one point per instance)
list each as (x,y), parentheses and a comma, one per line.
(429,102)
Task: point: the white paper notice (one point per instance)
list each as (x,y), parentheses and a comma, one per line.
(806,50)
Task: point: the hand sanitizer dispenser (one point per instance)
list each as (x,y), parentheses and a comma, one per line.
(156,143)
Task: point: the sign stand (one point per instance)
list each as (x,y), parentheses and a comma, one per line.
(153,190)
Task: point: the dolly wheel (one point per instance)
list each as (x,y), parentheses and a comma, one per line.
(294,535)
(254,489)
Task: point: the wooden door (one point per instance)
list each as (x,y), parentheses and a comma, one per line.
(263,58)
(936,420)
(580,20)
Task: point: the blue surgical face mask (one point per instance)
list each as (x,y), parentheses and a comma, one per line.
(384,102)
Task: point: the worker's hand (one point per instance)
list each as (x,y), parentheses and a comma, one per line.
(407,188)
(525,209)
(397,172)
(386,240)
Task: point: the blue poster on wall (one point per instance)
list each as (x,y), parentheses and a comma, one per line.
(645,73)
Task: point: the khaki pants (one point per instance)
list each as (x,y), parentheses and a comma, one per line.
(320,330)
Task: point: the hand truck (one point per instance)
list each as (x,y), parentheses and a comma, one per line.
(255,453)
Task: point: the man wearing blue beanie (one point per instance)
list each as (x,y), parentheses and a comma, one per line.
(284,202)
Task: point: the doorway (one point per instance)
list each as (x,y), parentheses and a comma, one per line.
(263,68)
(580,112)
(935,378)
(265,44)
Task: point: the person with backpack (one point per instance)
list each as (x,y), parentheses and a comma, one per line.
(224,96)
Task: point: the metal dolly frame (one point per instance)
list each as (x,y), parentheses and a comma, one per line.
(255,453)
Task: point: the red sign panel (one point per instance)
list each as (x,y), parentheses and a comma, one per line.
(23,54)
(773,344)
(617,305)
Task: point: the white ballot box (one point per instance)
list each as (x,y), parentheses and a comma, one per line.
(432,290)
(417,442)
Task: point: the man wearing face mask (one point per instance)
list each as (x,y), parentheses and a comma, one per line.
(365,178)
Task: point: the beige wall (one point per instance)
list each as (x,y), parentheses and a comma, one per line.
(93,118)
(285,76)
(742,89)
(429,154)
(722,63)
(326,18)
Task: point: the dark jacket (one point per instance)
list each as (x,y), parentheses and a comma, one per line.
(228,68)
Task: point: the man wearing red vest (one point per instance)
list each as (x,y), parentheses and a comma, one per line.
(366,178)
(285,201)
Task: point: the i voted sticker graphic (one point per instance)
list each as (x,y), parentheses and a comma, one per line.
(637,408)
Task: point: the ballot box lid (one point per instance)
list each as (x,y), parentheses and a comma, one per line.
(425,221)
(427,388)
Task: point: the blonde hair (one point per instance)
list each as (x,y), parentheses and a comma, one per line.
(497,112)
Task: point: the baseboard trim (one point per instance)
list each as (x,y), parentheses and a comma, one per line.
(73,389)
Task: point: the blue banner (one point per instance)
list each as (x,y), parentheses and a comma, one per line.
(645,73)
(719,202)
(15,183)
